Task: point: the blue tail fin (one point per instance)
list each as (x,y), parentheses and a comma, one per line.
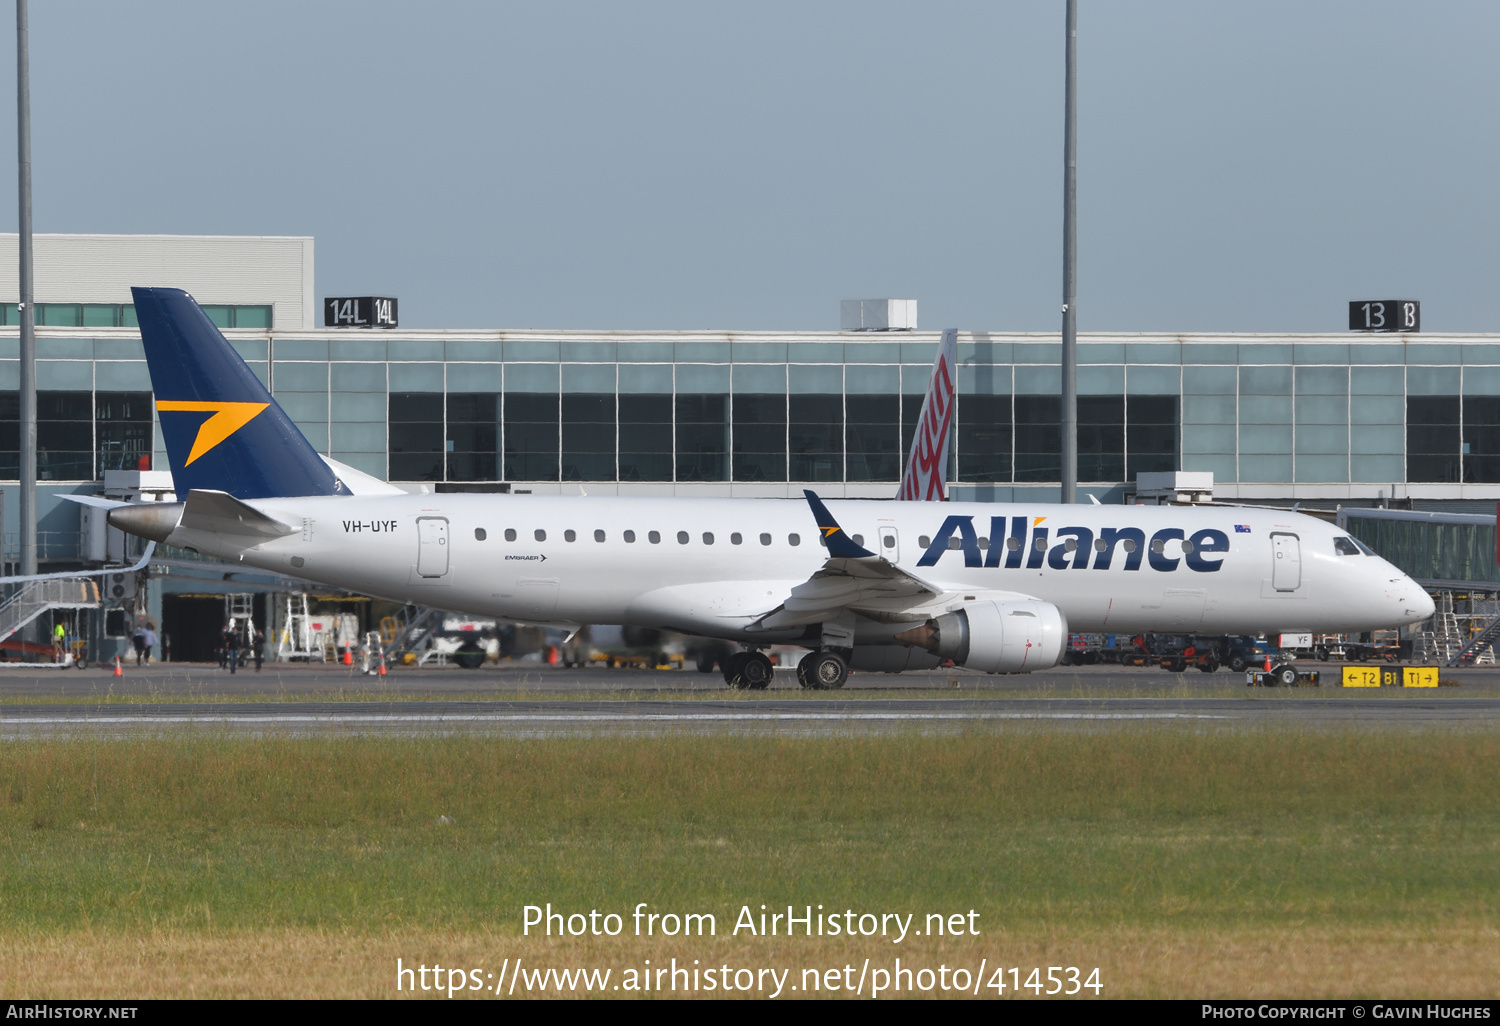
(222,428)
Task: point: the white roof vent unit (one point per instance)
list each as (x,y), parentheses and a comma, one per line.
(1174,487)
(878,315)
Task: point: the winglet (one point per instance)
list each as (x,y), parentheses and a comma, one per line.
(840,545)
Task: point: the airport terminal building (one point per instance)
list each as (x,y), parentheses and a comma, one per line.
(1323,420)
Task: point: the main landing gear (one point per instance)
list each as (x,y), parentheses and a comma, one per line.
(822,670)
(748,670)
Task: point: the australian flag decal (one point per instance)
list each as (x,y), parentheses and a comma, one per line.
(1241,528)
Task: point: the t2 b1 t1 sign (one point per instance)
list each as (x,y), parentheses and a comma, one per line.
(1385,315)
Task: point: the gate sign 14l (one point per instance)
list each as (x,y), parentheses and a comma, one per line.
(1385,315)
(359,312)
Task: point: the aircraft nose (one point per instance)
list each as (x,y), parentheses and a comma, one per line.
(1412,600)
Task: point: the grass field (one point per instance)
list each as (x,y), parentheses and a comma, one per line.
(1183,862)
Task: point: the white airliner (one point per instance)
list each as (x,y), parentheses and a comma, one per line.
(871,584)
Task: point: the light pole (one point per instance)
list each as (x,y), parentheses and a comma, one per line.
(28,321)
(1070,268)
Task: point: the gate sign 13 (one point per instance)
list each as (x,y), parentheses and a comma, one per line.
(1385,315)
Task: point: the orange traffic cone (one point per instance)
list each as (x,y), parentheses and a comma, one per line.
(118,672)
(1267,667)
(348,657)
(381,670)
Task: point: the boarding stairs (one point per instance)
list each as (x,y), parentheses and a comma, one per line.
(414,625)
(34,598)
(1480,643)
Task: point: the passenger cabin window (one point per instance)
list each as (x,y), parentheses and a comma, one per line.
(794,539)
(629,537)
(859,540)
(1014,544)
(510,534)
(1345,546)
(736,538)
(708,537)
(654,537)
(957,543)
(479,534)
(541,535)
(924,541)
(598,536)
(682,537)
(570,535)
(765,539)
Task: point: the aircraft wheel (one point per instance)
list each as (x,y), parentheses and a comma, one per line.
(827,670)
(1286,676)
(734,670)
(805,671)
(469,658)
(757,671)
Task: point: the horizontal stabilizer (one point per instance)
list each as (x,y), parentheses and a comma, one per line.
(96,501)
(222,513)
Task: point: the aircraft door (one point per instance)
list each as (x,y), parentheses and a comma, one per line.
(889,542)
(1286,566)
(432,546)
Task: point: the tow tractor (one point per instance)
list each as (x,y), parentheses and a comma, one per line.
(1284,675)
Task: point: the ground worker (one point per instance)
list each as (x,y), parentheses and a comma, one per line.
(59,641)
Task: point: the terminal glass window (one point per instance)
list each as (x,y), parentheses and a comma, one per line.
(1432,438)
(530,436)
(1101,438)
(645,437)
(1481,439)
(226,316)
(415,438)
(702,437)
(760,437)
(815,437)
(122,430)
(62,315)
(872,437)
(473,436)
(911,412)
(1152,435)
(10,435)
(984,437)
(65,436)
(1038,438)
(588,436)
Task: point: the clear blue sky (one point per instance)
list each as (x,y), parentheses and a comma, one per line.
(1245,167)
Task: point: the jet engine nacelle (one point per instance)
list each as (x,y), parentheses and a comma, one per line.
(996,636)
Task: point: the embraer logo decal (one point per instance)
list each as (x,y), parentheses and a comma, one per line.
(226,420)
(1073,547)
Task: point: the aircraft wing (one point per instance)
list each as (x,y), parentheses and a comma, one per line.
(851,578)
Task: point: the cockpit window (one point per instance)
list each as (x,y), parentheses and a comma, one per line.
(1365,548)
(1345,546)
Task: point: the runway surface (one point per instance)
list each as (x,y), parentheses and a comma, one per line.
(804,717)
(532,680)
(529,700)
